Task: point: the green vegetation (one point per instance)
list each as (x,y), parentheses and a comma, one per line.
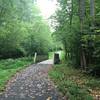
(22,29)
(74,83)
(61,54)
(77,25)
(23,32)
(50,55)
(9,67)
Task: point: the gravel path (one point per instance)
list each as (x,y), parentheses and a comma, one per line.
(32,83)
(49,62)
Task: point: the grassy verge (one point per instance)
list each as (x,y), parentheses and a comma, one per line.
(9,67)
(74,84)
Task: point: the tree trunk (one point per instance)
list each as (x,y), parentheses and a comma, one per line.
(82,18)
(71,15)
(92,12)
(92,15)
(92,8)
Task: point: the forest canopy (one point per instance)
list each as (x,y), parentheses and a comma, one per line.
(22,29)
(77,27)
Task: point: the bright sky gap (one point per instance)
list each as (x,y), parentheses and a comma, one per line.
(47,7)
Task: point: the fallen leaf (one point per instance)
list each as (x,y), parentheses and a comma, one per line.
(49,98)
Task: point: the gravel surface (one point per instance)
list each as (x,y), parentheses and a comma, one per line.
(47,62)
(32,83)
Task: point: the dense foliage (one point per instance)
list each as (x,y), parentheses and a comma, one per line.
(74,84)
(22,29)
(77,26)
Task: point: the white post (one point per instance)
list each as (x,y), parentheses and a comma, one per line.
(35,57)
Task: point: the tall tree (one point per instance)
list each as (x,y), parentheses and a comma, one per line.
(82,19)
(92,12)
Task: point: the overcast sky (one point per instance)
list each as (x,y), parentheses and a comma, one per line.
(47,7)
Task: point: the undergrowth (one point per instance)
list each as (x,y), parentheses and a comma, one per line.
(74,84)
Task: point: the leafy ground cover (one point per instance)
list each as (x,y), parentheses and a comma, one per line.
(9,67)
(75,84)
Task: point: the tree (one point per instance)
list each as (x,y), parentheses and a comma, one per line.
(74,22)
(22,29)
